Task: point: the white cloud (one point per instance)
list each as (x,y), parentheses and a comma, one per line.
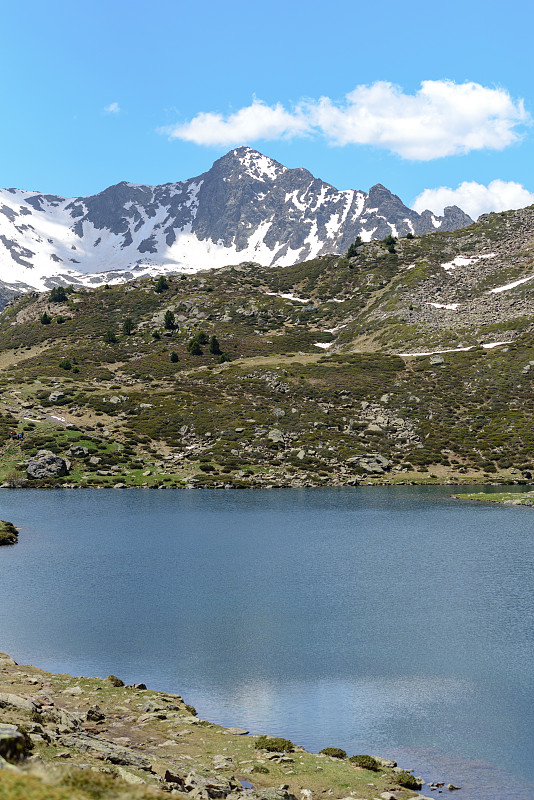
(257,121)
(475,198)
(441,119)
(113,108)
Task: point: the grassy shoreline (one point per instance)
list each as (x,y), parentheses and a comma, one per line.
(88,738)
(503,498)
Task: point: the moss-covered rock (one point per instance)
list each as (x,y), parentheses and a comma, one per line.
(8,533)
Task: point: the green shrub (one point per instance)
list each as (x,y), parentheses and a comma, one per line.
(407,781)
(334,752)
(46,319)
(65,364)
(109,337)
(174,357)
(274,744)
(365,762)
(260,768)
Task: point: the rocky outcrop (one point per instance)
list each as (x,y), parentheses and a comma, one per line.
(374,464)
(108,751)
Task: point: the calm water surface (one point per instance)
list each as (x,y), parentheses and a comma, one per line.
(393,621)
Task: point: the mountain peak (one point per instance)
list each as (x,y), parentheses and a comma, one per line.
(247,207)
(253,163)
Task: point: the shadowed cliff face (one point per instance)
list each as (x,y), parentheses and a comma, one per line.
(246,207)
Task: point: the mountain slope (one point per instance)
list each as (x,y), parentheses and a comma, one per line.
(328,369)
(246,207)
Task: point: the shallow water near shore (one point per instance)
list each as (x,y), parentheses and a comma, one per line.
(395,621)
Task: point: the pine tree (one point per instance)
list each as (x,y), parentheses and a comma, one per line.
(168,322)
(58,294)
(161,285)
(214,347)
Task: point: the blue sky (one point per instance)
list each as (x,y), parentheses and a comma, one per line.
(95,93)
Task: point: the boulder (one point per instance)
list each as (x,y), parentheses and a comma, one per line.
(275,435)
(56,396)
(47,465)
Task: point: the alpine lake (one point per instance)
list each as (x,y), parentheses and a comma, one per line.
(393,621)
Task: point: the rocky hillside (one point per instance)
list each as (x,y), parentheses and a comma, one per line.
(246,207)
(410,361)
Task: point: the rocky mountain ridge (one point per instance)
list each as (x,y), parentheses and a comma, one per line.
(247,207)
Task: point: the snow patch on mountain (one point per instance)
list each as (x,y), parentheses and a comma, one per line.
(512,285)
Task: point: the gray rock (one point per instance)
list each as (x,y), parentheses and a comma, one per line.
(209,787)
(374,463)
(77,451)
(12,742)
(47,465)
(437,360)
(223,762)
(56,396)
(94,714)
(275,435)
(114,753)
(16,701)
(66,720)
